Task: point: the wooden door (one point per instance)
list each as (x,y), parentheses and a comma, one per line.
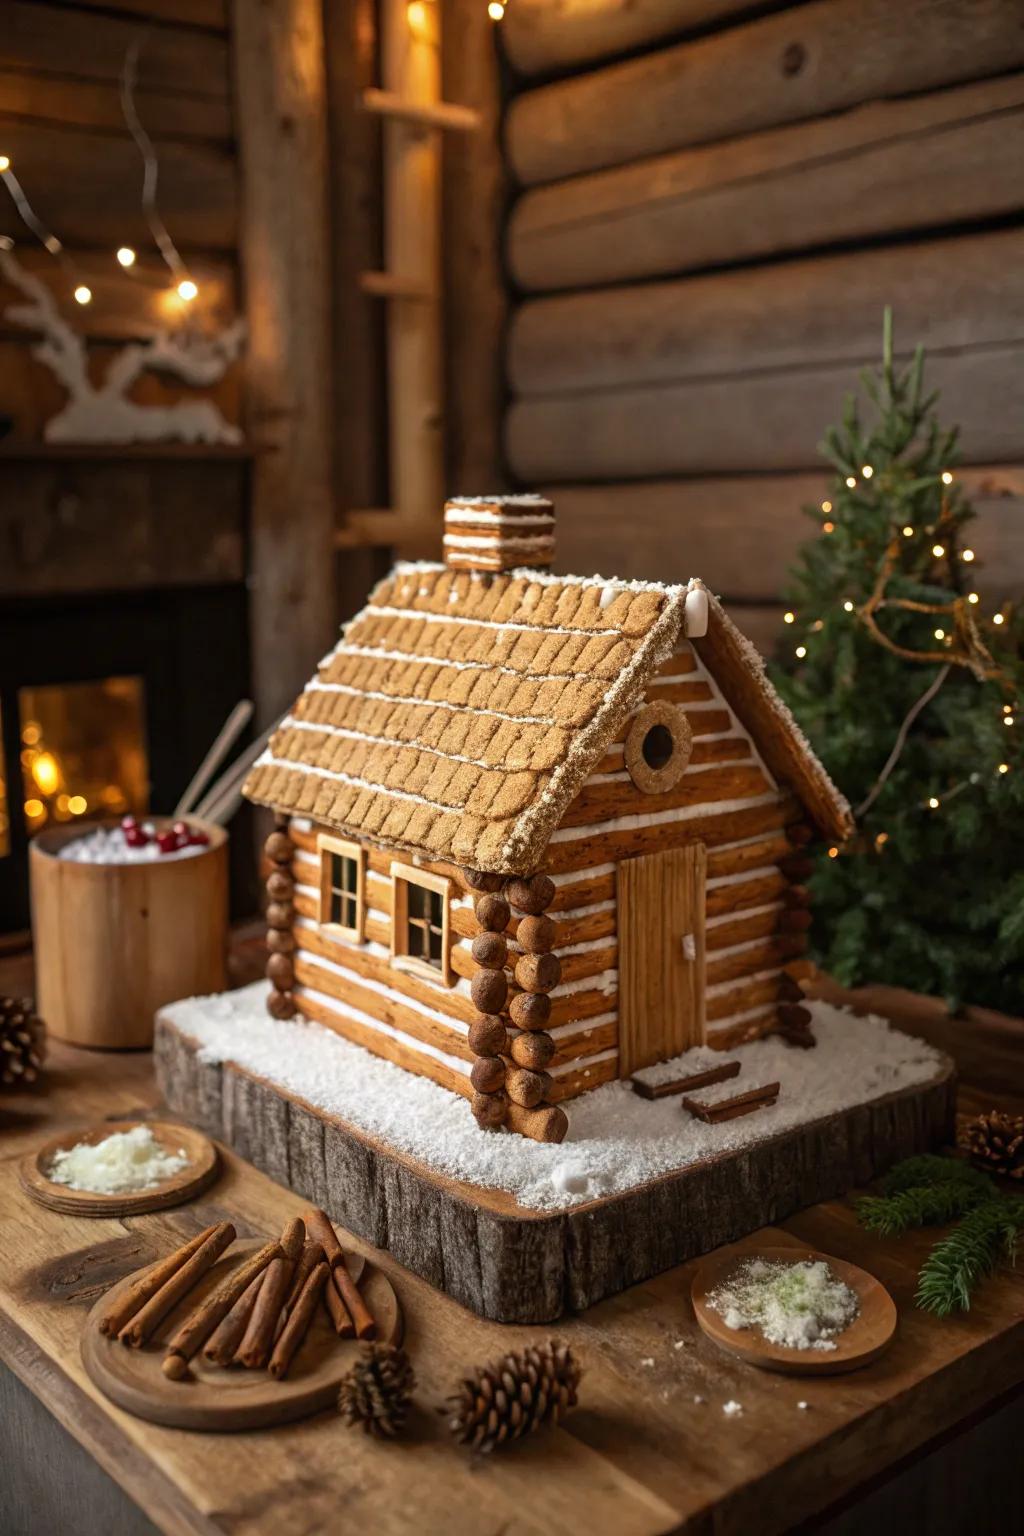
(661,955)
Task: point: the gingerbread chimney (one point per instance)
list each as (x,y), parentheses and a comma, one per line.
(498,533)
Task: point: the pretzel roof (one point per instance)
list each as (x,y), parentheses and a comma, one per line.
(459,714)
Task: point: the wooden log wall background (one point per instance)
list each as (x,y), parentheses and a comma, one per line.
(712,203)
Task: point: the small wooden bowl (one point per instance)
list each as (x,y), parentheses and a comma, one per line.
(221,1398)
(203,1166)
(116,942)
(870,1333)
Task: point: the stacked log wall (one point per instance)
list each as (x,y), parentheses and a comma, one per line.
(713,208)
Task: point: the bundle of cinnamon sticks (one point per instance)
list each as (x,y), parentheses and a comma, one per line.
(259,1314)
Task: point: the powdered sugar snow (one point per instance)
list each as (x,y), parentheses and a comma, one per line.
(616,1139)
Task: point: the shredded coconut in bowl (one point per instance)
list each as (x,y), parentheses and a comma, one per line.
(122,1163)
(800,1306)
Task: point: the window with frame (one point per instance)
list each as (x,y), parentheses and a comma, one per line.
(419,930)
(342,908)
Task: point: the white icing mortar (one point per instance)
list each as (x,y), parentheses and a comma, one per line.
(616,1140)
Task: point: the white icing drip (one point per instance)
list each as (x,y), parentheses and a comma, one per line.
(659,818)
(316,686)
(721,987)
(734,917)
(499,541)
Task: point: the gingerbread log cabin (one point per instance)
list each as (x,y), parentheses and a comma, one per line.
(536,832)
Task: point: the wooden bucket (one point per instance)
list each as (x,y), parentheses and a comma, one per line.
(115,942)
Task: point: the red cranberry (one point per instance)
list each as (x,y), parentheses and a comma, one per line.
(198,839)
(135,837)
(181,832)
(127,823)
(167,841)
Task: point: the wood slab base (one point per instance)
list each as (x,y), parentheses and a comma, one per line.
(520,1266)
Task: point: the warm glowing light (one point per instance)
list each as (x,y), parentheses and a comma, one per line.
(833,852)
(997,618)
(126,256)
(938,550)
(947,478)
(416,16)
(187,290)
(83,295)
(5,164)
(972,597)
(933,803)
(851,481)
(848,606)
(495,10)
(881,839)
(34,809)
(828,527)
(826,506)
(801,651)
(1007,719)
(908,532)
(1007,709)
(940,634)
(967,554)
(31,733)
(46,773)
(867,471)
(789,617)
(1004,768)
(77,805)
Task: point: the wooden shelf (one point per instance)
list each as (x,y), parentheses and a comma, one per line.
(442,115)
(42,452)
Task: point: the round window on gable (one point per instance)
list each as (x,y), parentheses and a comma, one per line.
(658,747)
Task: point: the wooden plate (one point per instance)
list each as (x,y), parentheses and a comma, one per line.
(202,1169)
(213,1397)
(864,1340)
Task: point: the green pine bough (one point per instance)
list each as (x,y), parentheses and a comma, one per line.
(931,1191)
(930,893)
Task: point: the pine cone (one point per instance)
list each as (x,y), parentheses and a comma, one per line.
(377,1390)
(995,1142)
(22,1042)
(521,1394)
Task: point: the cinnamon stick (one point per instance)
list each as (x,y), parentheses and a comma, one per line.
(138,1330)
(258,1339)
(224,1340)
(123,1308)
(312,1254)
(198,1326)
(353,1312)
(299,1319)
(292,1238)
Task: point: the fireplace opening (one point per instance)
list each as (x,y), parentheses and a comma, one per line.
(83,751)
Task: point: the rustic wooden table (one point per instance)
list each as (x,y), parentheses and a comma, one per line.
(648,1451)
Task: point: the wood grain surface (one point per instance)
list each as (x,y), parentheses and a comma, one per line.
(639,1457)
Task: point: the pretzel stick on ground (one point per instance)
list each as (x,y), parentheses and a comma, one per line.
(122,1309)
(353,1308)
(198,1326)
(180,1283)
(299,1319)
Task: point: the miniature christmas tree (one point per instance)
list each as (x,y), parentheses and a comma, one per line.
(909,686)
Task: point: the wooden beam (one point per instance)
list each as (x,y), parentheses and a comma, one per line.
(949,157)
(955,294)
(411,70)
(740,533)
(541,38)
(391,285)
(442,114)
(783,68)
(279,68)
(474,195)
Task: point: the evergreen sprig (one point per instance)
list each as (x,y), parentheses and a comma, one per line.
(926,1191)
(931,898)
(972,1250)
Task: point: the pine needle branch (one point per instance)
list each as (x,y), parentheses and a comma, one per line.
(928,1205)
(928,1169)
(955,1265)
